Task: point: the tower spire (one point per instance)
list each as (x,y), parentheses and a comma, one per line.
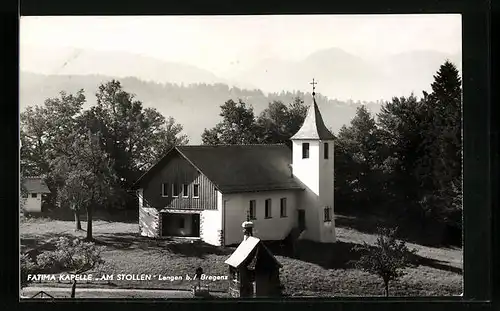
(313,126)
(314,87)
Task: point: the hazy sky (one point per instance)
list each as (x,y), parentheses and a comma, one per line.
(219,43)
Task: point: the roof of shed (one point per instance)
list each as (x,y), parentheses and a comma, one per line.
(35,185)
(239,168)
(245,249)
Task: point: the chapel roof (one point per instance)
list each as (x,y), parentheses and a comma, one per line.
(238,168)
(313,127)
(35,185)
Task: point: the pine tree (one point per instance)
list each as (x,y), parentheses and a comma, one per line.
(442,163)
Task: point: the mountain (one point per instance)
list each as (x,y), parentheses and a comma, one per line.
(340,74)
(193,95)
(347,76)
(70,61)
(195,106)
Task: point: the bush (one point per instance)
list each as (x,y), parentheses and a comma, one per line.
(28,266)
(387,259)
(74,256)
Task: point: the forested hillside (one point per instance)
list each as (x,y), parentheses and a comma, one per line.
(195,106)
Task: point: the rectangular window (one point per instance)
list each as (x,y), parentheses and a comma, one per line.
(268,209)
(164,190)
(185,192)
(175,190)
(305,150)
(283,207)
(33,195)
(196,191)
(252,210)
(328,216)
(325,150)
(181,222)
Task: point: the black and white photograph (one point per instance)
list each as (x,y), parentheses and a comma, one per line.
(240,156)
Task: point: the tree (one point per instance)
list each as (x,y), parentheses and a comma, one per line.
(71,193)
(361,142)
(297,112)
(23,192)
(211,136)
(272,123)
(237,126)
(344,175)
(442,161)
(387,259)
(89,179)
(279,122)
(45,134)
(133,136)
(74,256)
(400,129)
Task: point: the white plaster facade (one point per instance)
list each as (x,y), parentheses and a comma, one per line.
(211,223)
(316,175)
(33,204)
(274,228)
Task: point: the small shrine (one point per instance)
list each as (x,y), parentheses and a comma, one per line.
(253,269)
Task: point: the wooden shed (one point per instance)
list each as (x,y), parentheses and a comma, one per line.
(32,198)
(253,270)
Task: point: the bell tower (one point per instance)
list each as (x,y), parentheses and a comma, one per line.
(312,165)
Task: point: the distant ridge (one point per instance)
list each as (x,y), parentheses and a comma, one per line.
(193,96)
(195,106)
(340,74)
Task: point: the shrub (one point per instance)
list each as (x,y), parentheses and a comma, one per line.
(387,259)
(28,266)
(75,256)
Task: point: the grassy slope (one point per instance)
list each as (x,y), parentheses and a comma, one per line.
(321,269)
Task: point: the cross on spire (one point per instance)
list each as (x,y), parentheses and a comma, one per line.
(314,86)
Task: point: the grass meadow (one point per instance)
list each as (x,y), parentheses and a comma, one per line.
(313,270)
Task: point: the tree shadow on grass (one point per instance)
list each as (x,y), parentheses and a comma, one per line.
(341,255)
(181,247)
(128,242)
(64,214)
(33,246)
(410,232)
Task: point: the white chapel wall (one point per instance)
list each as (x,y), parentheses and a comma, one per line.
(211,223)
(326,192)
(307,171)
(274,228)
(316,175)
